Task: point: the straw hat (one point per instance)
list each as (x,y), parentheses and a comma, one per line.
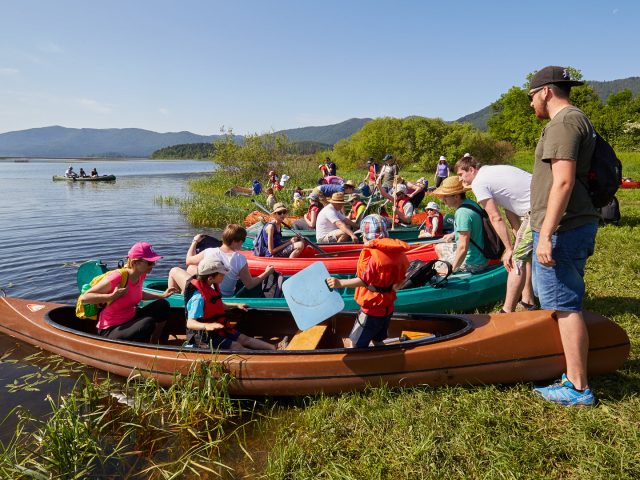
(337,197)
(450,186)
(349,183)
(278,207)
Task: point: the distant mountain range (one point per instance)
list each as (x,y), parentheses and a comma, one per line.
(60,142)
(480,118)
(63,142)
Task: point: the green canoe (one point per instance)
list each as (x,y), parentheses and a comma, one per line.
(101,178)
(463,292)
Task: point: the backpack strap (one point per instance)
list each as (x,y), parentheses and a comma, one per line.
(482,213)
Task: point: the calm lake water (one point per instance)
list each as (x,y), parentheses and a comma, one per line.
(48,228)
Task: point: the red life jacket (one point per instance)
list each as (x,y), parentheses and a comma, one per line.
(313,207)
(353,214)
(382,263)
(429,225)
(400,204)
(213,306)
(372,173)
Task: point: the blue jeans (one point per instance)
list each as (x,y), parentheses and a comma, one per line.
(561,287)
(367,328)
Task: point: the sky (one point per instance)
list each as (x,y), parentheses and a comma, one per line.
(268,65)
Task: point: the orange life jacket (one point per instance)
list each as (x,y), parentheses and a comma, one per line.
(382,264)
(353,214)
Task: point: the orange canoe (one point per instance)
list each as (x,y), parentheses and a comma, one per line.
(441,349)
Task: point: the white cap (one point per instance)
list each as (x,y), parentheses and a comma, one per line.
(466,155)
(208,266)
(442,157)
(432,206)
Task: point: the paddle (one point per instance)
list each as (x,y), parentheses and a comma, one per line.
(264,209)
(309,298)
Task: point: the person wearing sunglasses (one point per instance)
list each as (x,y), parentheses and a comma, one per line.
(564,223)
(272,233)
(121,318)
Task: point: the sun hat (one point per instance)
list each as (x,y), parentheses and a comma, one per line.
(143,251)
(337,197)
(401,188)
(315,196)
(353,196)
(432,206)
(555,75)
(373,226)
(450,186)
(349,183)
(442,157)
(387,157)
(210,266)
(278,207)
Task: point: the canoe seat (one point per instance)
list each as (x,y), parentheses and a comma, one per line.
(413,335)
(308,339)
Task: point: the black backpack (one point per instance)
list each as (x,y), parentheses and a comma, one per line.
(420,273)
(493,246)
(207,242)
(605,173)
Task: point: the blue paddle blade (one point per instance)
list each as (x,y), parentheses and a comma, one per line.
(309,298)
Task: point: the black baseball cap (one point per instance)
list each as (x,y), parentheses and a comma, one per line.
(553,75)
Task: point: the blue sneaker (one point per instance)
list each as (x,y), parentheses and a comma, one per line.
(564,393)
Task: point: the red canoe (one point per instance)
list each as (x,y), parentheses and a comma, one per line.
(630,184)
(343,262)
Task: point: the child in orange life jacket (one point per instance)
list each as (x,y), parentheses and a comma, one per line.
(434,224)
(207,326)
(381,267)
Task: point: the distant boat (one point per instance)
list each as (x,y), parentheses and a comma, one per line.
(101,178)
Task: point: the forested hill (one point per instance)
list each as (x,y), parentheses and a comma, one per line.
(206,150)
(480,118)
(57,141)
(328,134)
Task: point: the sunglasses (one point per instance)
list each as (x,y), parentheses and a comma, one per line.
(282,212)
(151,264)
(532,93)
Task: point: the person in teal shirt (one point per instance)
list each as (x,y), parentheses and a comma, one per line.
(462,248)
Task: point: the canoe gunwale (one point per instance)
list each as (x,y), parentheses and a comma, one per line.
(418,342)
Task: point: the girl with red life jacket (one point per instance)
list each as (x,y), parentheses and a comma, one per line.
(434,223)
(381,267)
(308,221)
(207,326)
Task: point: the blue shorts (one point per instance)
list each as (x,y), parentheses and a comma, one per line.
(561,287)
(367,328)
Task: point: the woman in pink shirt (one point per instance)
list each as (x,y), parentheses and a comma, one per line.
(121,319)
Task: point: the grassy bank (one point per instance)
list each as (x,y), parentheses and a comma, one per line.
(194,430)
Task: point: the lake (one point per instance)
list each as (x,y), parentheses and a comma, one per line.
(48,228)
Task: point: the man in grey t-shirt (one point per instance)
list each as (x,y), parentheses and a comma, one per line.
(564,224)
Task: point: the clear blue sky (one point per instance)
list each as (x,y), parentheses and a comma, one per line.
(267,65)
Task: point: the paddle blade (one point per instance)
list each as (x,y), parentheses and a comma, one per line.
(309,297)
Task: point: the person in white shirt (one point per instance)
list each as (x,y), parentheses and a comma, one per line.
(508,187)
(232,239)
(332,225)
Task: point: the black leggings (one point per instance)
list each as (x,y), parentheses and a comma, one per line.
(141,326)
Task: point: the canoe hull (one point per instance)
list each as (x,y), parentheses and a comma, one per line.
(102,178)
(463,292)
(503,348)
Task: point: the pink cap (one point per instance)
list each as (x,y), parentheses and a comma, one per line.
(143,251)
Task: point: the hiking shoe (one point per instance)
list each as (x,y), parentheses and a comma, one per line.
(564,393)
